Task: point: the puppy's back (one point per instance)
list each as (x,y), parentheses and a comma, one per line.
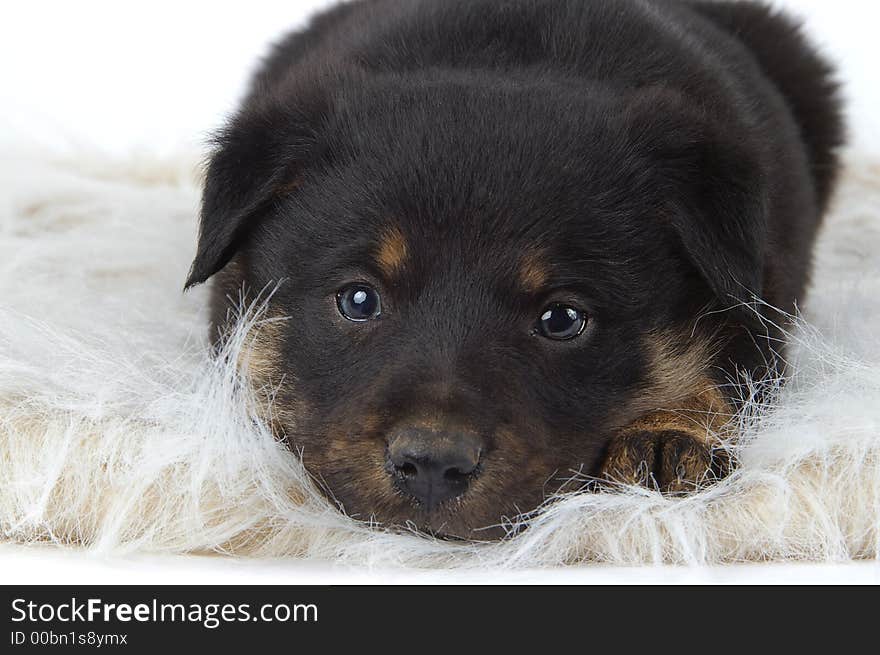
(801,74)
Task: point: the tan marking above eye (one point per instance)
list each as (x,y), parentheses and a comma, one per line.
(392,252)
(287,188)
(533,273)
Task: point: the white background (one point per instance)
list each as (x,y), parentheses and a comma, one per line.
(159,76)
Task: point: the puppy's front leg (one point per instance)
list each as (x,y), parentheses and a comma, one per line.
(673,450)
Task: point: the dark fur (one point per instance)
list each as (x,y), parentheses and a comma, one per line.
(654,161)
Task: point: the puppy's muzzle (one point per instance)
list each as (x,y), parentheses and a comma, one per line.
(433,466)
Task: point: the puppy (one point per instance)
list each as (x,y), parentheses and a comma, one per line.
(517,243)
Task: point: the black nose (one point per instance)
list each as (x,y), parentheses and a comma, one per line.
(433,466)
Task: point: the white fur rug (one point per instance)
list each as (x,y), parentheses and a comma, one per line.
(118,432)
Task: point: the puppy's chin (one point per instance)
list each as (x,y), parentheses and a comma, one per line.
(468,518)
(446,523)
(449,532)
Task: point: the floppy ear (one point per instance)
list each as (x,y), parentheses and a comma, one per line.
(260,153)
(715,191)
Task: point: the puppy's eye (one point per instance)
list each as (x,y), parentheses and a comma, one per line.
(561,322)
(359,302)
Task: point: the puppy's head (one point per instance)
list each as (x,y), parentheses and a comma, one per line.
(481,286)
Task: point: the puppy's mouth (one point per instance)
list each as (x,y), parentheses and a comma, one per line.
(467,517)
(451,521)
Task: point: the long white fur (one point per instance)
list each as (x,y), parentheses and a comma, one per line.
(119,433)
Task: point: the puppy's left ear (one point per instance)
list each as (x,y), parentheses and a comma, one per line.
(714,186)
(263,149)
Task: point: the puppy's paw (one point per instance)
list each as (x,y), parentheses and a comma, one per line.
(670,460)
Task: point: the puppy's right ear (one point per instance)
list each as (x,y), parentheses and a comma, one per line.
(260,152)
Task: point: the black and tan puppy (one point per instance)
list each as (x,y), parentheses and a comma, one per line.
(515,239)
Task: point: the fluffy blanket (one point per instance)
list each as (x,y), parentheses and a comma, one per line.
(119,432)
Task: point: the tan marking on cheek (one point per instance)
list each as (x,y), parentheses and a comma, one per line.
(352,471)
(678,420)
(677,365)
(259,358)
(533,273)
(700,416)
(344,442)
(679,394)
(677,362)
(369,424)
(260,362)
(392,252)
